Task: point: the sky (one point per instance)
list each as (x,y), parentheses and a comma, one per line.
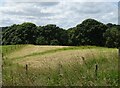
(63,13)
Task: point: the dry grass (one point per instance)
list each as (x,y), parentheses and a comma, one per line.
(61,66)
(64,57)
(29,49)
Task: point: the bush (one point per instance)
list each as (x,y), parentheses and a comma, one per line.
(41,41)
(54,42)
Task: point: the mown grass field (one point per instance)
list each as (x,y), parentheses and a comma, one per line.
(32,65)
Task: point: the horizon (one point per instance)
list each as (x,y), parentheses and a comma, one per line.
(58,26)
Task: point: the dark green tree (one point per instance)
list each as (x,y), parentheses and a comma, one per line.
(41,41)
(9,34)
(51,32)
(20,34)
(72,40)
(54,42)
(27,32)
(112,37)
(90,32)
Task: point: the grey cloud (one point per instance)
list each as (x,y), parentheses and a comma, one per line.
(6,22)
(48,3)
(28,9)
(64,14)
(34,13)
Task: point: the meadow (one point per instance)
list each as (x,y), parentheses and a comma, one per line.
(34,65)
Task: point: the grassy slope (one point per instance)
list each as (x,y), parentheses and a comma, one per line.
(32,49)
(61,66)
(6,50)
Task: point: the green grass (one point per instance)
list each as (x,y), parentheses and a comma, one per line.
(10,48)
(73,74)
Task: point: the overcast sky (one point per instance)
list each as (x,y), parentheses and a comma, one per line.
(64,14)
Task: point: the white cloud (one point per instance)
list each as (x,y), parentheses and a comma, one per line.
(64,14)
(62,0)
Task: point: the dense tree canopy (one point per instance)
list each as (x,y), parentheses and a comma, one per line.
(51,33)
(89,32)
(112,36)
(20,34)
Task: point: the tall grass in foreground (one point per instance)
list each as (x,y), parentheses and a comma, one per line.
(68,74)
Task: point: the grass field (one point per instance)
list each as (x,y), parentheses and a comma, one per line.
(33,65)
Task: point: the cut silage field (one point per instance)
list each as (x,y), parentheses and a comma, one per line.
(33,65)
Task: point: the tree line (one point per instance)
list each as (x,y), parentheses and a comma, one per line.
(89,32)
